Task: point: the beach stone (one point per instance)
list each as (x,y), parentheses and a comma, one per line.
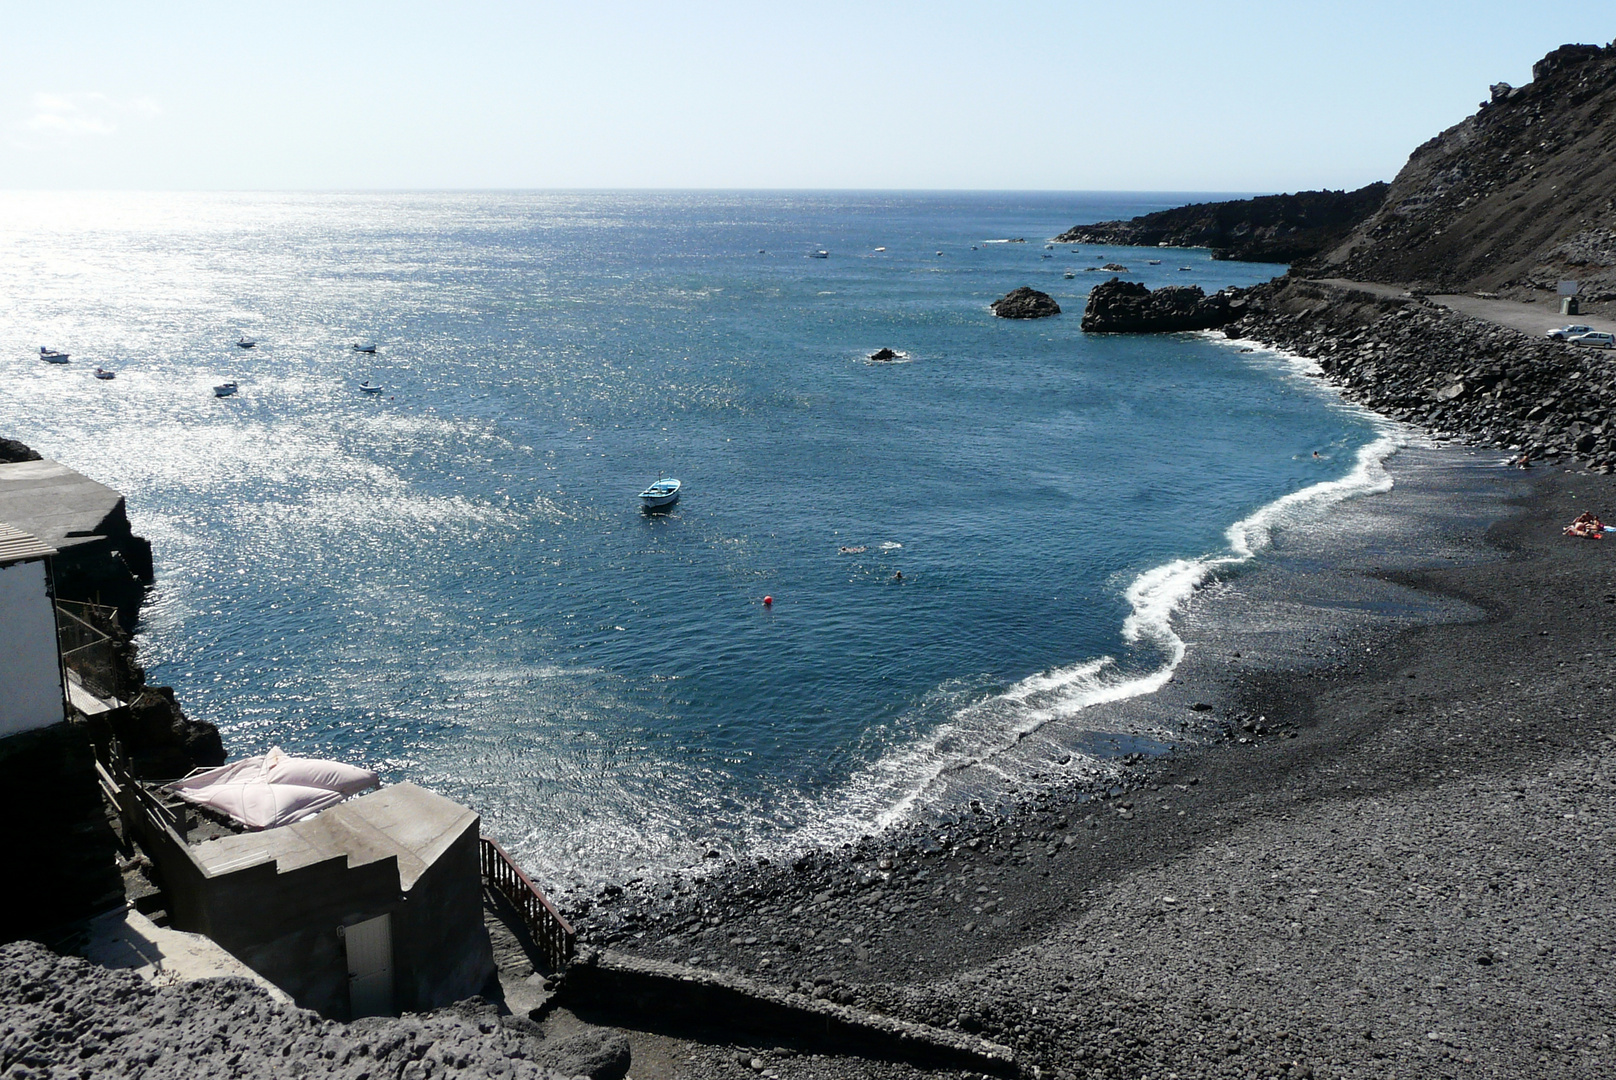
(598,1054)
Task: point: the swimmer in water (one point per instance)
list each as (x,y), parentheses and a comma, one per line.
(898,576)
(1315,453)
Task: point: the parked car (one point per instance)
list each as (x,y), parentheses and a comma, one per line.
(1593,339)
(1560,333)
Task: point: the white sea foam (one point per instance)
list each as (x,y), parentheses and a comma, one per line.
(979,734)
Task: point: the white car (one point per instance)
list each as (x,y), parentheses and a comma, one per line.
(1593,339)
(1560,333)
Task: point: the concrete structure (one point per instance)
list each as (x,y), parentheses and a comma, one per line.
(31,689)
(99,559)
(370,907)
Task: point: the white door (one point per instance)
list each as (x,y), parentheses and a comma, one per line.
(370,967)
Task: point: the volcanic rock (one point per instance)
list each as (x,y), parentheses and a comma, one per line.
(1025,303)
(1271,228)
(1129,307)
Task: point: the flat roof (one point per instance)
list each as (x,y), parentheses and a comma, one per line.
(19,546)
(404,820)
(62,507)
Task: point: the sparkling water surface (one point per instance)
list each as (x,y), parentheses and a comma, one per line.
(452,581)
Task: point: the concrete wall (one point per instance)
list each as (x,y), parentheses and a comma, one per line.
(283,925)
(440,945)
(30,665)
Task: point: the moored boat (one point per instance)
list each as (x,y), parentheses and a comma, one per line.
(51,356)
(665,492)
(368,387)
(225,389)
(246,342)
(103,373)
(365,347)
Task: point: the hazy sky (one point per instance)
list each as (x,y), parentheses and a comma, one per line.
(1032,95)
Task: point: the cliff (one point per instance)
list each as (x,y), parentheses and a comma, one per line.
(1269,228)
(1513,199)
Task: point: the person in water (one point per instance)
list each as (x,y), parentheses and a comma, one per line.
(898,576)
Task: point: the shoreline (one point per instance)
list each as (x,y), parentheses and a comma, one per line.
(917,922)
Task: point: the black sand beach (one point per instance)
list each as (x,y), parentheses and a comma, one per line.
(1406,872)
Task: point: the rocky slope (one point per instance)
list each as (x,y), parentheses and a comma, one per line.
(1513,199)
(1269,228)
(1416,362)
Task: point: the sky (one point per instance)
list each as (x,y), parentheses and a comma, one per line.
(1037,95)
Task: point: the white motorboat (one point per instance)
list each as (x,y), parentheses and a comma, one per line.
(665,492)
(366,347)
(103,373)
(1070,274)
(819,254)
(225,389)
(51,356)
(367,387)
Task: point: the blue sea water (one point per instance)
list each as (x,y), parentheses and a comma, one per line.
(453,581)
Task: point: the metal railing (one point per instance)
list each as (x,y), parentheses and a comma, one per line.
(89,637)
(552,934)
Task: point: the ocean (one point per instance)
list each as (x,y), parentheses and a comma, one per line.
(453,582)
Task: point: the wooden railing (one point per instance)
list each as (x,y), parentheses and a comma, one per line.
(554,935)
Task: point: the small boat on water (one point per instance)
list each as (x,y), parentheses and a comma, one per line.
(367,387)
(247,343)
(103,373)
(1152,262)
(366,347)
(225,389)
(819,254)
(1070,274)
(51,356)
(664,492)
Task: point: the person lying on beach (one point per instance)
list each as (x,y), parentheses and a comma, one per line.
(1586,525)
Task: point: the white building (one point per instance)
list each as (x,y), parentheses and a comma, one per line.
(31,688)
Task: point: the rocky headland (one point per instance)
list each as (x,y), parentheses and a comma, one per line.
(1025,303)
(1269,228)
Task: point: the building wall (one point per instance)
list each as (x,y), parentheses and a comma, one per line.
(30,667)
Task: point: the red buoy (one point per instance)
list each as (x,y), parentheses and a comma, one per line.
(768,601)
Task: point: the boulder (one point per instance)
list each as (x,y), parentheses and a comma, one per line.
(1128,307)
(883,353)
(1025,303)
(12,451)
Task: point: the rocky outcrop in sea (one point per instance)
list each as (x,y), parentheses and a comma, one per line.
(1025,303)
(1130,307)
